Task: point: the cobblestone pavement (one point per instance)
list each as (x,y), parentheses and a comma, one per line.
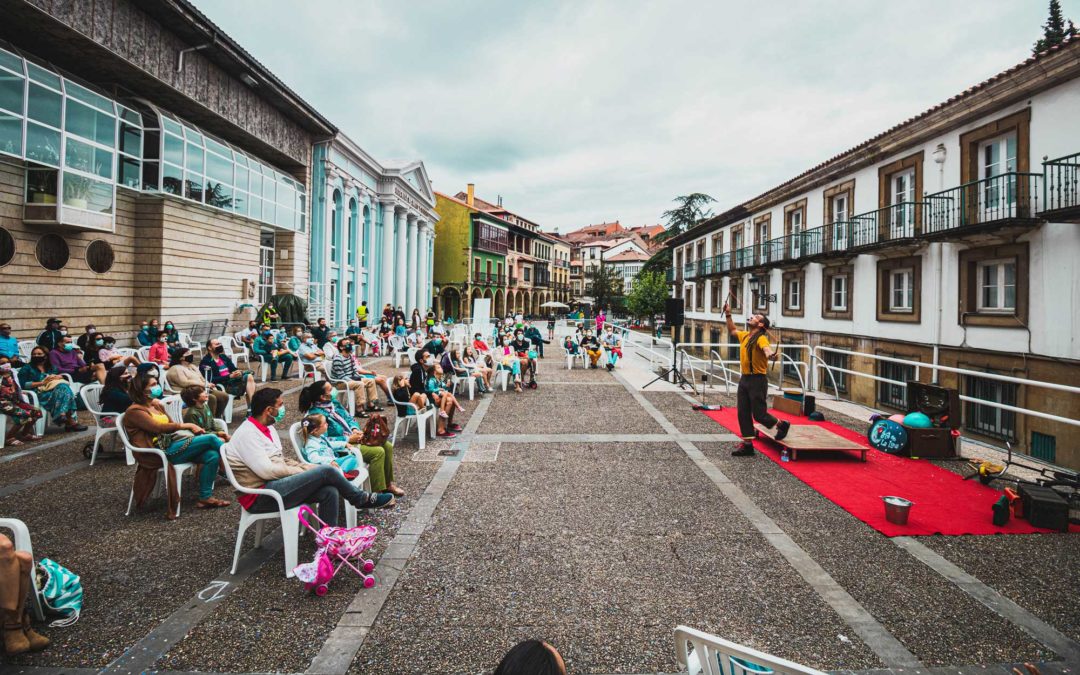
(549,521)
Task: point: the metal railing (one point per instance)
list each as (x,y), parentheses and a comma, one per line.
(892,223)
(1061,183)
(690,270)
(820,363)
(1002,197)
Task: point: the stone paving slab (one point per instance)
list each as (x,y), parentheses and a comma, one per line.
(929,615)
(585,409)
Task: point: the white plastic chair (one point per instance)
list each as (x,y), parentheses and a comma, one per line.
(186,341)
(290,523)
(144,354)
(699,653)
(234,349)
(362,479)
(570,358)
(400,350)
(105,422)
(424,418)
(502,376)
(174,408)
(26,347)
(21,540)
(309,366)
(463,376)
(177,469)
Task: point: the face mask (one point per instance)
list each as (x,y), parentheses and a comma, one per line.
(155,391)
(163,340)
(190,358)
(68,347)
(90,330)
(280,414)
(430,361)
(266,335)
(219,349)
(310,341)
(99,342)
(518,336)
(63,332)
(109,345)
(143,328)
(168,326)
(37,360)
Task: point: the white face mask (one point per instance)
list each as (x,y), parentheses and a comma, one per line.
(310,341)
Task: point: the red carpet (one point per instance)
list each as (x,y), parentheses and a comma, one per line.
(945,503)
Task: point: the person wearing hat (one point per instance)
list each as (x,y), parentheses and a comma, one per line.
(754,355)
(52,335)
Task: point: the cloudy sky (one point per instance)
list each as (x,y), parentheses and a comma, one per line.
(586,111)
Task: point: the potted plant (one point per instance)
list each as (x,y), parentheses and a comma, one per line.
(76,191)
(41,185)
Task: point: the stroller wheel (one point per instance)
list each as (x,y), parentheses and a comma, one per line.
(369,582)
(321,590)
(368,566)
(88,450)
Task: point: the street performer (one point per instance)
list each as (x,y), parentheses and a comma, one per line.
(754,355)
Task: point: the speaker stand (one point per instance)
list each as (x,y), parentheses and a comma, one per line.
(674,372)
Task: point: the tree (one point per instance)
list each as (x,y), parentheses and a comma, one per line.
(604,285)
(1055,31)
(649,294)
(691,210)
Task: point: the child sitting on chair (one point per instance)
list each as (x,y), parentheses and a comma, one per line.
(437,391)
(318,449)
(570,346)
(400,388)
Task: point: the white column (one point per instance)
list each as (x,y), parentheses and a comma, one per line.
(423,292)
(401,260)
(386,263)
(413,278)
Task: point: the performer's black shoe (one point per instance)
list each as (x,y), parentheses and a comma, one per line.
(744,451)
(782,429)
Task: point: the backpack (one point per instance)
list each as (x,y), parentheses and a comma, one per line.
(61,591)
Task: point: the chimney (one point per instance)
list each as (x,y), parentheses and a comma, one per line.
(500,200)
(471,192)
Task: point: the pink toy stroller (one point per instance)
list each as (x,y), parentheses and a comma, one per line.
(343,543)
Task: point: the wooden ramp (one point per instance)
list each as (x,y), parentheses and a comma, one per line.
(811,438)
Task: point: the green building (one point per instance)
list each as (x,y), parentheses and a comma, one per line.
(470,258)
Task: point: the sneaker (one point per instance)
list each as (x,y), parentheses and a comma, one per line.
(446,434)
(351,475)
(455,427)
(782,429)
(375,500)
(442,414)
(743,451)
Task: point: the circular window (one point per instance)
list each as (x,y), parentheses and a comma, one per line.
(52,252)
(7,247)
(99,256)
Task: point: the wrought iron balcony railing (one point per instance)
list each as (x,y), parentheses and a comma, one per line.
(1007,196)
(1061,183)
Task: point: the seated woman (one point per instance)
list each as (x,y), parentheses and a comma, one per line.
(443,399)
(22,414)
(148,426)
(507,359)
(272,353)
(198,411)
(321,449)
(400,329)
(295,340)
(453,358)
(524,350)
(257,461)
(114,397)
(386,329)
(53,392)
(318,397)
(220,370)
(159,351)
(183,373)
(402,392)
(102,349)
(172,337)
(15,570)
(479,368)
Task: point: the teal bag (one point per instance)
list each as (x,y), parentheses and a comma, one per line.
(61,591)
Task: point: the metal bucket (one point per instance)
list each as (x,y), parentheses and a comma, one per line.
(897,509)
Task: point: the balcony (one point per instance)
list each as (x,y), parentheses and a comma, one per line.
(513,280)
(1008,199)
(690,270)
(542,283)
(485,279)
(1062,185)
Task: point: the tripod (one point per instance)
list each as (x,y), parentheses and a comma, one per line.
(674,372)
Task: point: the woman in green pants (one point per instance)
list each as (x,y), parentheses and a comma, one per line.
(318,397)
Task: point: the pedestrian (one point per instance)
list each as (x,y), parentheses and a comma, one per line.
(754,355)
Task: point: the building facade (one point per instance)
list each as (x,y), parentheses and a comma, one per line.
(470,260)
(560,268)
(372,233)
(948,240)
(149,167)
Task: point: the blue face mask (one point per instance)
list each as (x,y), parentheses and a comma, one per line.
(99,342)
(280,416)
(68,347)
(155,391)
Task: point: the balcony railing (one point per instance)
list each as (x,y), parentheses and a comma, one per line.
(690,270)
(892,223)
(485,279)
(513,280)
(1062,184)
(1007,196)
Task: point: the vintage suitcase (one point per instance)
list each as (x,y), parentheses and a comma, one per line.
(942,406)
(1044,508)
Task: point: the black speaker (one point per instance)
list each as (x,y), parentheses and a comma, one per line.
(673,312)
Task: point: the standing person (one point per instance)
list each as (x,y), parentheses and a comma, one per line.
(600,319)
(415,320)
(551,329)
(362,314)
(388,313)
(754,355)
(52,335)
(270,314)
(430,319)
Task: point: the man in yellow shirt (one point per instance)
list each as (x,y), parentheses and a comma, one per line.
(754,355)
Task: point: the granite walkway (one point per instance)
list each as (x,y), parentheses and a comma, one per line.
(587,512)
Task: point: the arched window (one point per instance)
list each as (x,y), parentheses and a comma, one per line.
(335,225)
(351,234)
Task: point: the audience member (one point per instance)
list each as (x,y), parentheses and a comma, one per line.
(257,461)
(531,657)
(183,373)
(220,369)
(15,570)
(403,393)
(272,352)
(532,334)
(159,351)
(51,336)
(308,352)
(148,426)
(87,338)
(321,332)
(9,346)
(378,454)
(143,336)
(592,347)
(319,448)
(22,414)
(198,410)
(114,396)
(446,402)
(65,360)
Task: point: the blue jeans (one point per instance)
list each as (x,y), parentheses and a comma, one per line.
(323,484)
(202,450)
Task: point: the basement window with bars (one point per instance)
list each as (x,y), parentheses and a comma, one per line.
(989,420)
(890,394)
(1043,446)
(834,360)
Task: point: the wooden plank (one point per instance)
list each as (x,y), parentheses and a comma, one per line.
(811,438)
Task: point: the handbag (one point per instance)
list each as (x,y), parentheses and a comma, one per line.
(61,591)
(376,431)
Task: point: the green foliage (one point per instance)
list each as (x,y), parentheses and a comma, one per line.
(604,285)
(1055,31)
(650,292)
(660,262)
(691,210)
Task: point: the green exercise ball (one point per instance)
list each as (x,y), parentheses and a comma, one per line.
(917,420)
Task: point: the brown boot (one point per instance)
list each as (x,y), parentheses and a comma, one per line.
(15,641)
(37,641)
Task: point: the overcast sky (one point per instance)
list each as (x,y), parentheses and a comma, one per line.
(582,112)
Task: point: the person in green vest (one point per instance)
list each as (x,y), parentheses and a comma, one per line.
(269,314)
